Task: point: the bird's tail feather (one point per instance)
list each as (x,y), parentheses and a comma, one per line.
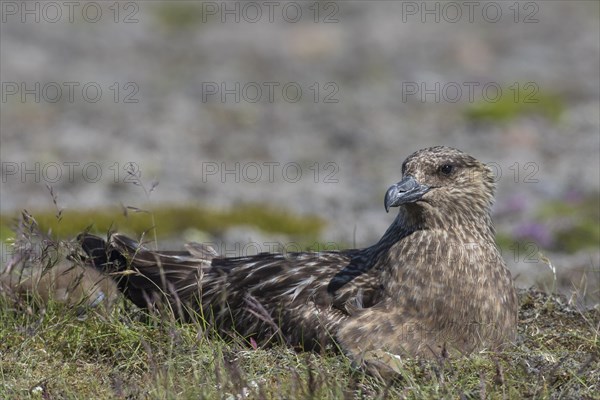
(149,277)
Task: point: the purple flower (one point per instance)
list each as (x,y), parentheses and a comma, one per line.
(573,196)
(516,204)
(535,231)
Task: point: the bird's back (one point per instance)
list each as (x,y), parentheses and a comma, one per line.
(266,296)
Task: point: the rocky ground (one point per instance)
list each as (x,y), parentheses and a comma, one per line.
(378,80)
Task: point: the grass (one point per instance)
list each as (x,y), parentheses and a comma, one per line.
(52,352)
(58,355)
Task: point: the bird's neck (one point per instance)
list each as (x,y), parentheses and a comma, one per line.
(421,217)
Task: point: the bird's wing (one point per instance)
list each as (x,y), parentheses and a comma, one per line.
(286,293)
(301,277)
(253,295)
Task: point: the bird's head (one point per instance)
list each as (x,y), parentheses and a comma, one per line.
(443,180)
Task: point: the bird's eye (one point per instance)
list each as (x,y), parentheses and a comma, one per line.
(446,169)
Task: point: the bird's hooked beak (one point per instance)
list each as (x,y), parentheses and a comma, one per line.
(408,190)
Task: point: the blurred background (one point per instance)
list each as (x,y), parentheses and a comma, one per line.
(265,126)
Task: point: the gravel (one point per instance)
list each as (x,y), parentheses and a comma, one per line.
(176,133)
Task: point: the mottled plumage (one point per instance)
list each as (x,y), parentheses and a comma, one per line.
(435,282)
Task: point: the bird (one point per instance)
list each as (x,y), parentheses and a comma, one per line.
(434,284)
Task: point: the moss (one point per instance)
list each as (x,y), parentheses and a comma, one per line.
(514,103)
(6,231)
(585,235)
(504,241)
(578,228)
(170,221)
(179,15)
